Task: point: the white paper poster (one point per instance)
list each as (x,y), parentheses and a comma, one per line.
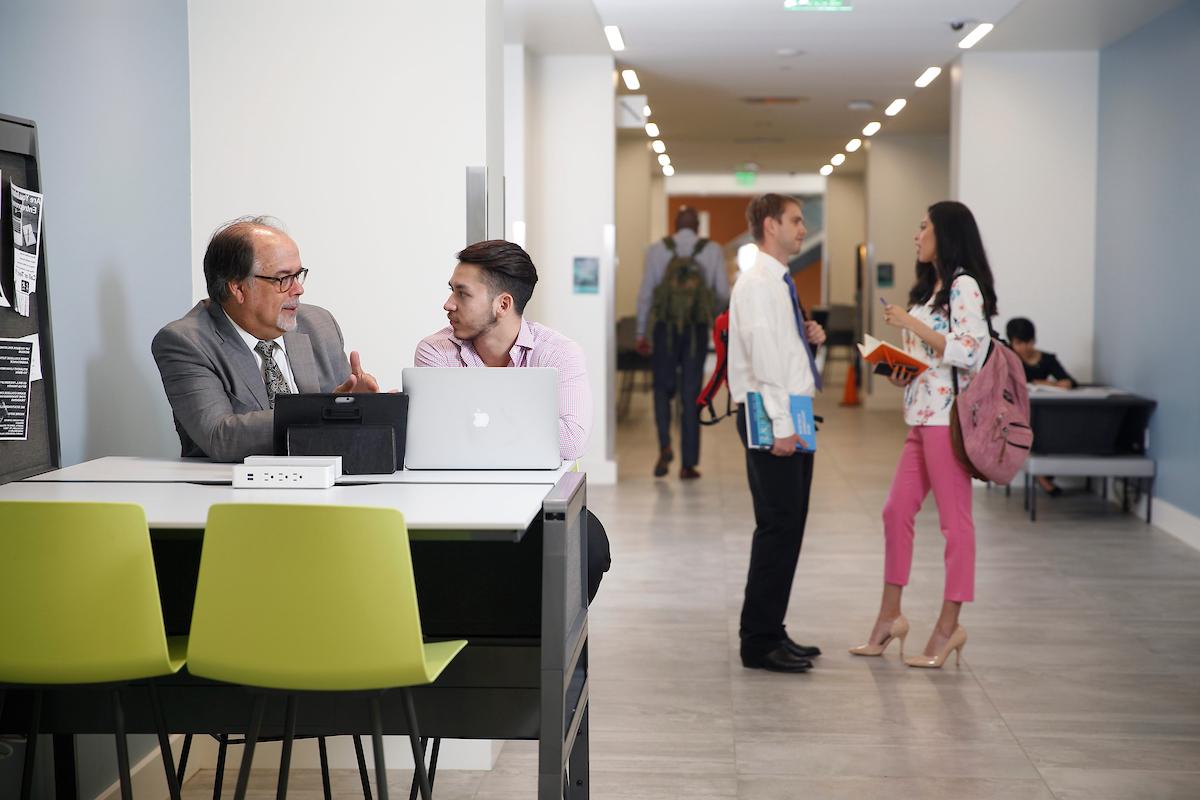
(3,300)
(35,361)
(27,237)
(16,357)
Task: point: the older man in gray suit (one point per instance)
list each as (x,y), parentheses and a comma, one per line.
(223,364)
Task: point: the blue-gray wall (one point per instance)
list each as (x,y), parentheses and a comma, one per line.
(1147,248)
(107,84)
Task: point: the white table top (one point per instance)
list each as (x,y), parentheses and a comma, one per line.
(132,469)
(435,506)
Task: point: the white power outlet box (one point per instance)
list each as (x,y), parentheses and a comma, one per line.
(296,461)
(267,476)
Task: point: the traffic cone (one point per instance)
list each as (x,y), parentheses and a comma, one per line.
(850,393)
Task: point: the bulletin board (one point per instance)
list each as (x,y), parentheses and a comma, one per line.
(33,447)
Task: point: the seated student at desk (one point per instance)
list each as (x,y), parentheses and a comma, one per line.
(1040,368)
(225,361)
(489,289)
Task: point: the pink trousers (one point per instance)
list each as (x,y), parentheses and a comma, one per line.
(927,462)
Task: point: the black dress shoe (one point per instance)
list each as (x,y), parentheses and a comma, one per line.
(800,650)
(778,660)
(664,458)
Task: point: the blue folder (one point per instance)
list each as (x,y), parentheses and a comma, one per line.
(759,435)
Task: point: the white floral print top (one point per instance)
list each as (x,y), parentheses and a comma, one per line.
(927,400)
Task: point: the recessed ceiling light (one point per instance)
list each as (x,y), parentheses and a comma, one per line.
(788,52)
(613,33)
(818,5)
(665,160)
(871,129)
(827,170)
(645,111)
(927,77)
(853,145)
(860,105)
(658,146)
(838,160)
(896,107)
(651,130)
(972,38)
(668,170)
(631,80)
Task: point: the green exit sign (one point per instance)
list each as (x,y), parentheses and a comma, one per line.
(817,5)
(745,177)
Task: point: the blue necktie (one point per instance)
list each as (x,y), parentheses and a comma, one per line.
(812,363)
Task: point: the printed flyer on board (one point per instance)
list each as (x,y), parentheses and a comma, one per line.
(27,237)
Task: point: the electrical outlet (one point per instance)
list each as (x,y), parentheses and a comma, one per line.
(254,476)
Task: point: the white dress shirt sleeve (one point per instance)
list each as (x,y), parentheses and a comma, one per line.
(760,318)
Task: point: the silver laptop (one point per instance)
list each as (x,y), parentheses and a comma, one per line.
(482,418)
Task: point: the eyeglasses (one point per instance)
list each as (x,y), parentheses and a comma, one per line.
(284,282)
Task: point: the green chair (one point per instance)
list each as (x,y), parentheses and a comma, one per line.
(312,599)
(78,584)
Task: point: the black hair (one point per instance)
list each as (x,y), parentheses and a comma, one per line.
(767,205)
(1020,329)
(959,246)
(506,268)
(230,254)
(687,218)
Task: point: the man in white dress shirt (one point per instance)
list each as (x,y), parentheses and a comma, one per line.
(771,352)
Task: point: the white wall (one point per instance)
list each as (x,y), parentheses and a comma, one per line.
(905,175)
(1025,130)
(569,200)
(337,130)
(515,79)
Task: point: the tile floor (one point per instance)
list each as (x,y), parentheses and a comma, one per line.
(1081,678)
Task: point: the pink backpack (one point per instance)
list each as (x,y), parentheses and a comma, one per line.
(989,421)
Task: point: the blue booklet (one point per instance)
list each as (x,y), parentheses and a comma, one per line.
(758,425)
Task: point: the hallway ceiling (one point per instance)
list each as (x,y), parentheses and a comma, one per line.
(699,61)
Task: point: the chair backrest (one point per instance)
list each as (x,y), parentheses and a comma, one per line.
(79,594)
(305,597)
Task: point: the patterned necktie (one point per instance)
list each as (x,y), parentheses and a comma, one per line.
(272,374)
(812,363)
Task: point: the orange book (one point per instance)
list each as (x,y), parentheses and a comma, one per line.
(885,356)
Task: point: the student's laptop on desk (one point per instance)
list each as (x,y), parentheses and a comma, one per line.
(482,418)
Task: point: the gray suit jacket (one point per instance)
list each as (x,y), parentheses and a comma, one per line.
(216,389)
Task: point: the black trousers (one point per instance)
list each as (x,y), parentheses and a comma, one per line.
(678,362)
(780,487)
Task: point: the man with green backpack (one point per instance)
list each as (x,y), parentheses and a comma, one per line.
(684,286)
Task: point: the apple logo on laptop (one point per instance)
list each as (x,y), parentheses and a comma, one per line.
(481,418)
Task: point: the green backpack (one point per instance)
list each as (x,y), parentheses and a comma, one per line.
(683,298)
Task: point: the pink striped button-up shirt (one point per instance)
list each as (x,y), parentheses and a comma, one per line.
(536,346)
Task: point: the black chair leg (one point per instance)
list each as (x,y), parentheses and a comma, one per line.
(323,750)
(222,752)
(181,770)
(164,744)
(433,757)
(31,740)
(362,767)
(285,758)
(377,743)
(412,792)
(414,738)
(256,718)
(122,747)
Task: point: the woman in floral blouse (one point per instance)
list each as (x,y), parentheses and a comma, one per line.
(954,284)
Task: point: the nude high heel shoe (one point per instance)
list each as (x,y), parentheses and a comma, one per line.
(897,630)
(954,644)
